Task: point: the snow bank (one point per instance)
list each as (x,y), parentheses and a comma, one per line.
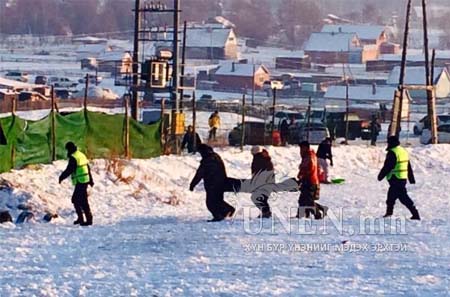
(150,236)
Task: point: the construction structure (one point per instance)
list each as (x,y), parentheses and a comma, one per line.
(429,85)
(158,72)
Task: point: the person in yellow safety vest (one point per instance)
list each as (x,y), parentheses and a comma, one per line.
(397,170)
(214,125)
(80,172)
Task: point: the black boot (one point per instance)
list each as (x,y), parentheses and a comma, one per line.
(389,211)
(78,221)
(415,213)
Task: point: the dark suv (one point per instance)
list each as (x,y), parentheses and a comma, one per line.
(256,133)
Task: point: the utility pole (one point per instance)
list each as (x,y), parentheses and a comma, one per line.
(243,123)
(274,93)
(431,106)
(346,112)
(175,55)
(396,123)
(253,86)
(309,118)
(137,29)
(183,65)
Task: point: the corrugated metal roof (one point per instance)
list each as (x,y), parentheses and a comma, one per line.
(363,31)
(330,42)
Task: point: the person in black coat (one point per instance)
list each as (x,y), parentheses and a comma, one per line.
(212,171)
(188,140)
(375,129)
(284,132)
(397,186)
(324,153)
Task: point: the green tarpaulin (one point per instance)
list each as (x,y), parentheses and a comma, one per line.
(99,135)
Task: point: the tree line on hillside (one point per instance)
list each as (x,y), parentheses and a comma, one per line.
(288,20)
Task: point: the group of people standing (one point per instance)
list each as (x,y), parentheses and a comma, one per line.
(216,182)
(313,170)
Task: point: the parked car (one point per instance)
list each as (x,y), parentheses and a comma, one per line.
(286,115)
(424,123)
(17,75)
(63,93)
(96,92)
(40,80)
(443,134)
(256,133)
(93,79)
(356,126)
(61,82)
(313,132)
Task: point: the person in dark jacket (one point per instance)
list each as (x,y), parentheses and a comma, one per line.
(375,129)
(284,132)
(262,174)
(324,153)
(212,171)
(189,139)
(397,170)
(80,171)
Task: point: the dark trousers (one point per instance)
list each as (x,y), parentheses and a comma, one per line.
(306,201)
(81,203)
(212,133)
(216,204)
(397,190)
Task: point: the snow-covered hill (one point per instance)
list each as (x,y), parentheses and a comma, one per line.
(150,236)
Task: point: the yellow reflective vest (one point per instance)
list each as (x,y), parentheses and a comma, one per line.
(81,174)
(400,170)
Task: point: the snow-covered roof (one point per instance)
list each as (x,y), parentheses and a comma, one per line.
(361,93)
(210,36)
(363,31)
(330,42)
(239,69)
(14,84)
(414,75)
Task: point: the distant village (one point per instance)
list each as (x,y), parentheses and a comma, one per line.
(220,65)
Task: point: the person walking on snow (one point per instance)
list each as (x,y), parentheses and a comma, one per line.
(212,171)
(262,174)
(214,125)
(78,168)
(397,170)
(308,176)
(324,153)
(189,138)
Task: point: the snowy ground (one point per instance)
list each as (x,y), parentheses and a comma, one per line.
(150,236)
